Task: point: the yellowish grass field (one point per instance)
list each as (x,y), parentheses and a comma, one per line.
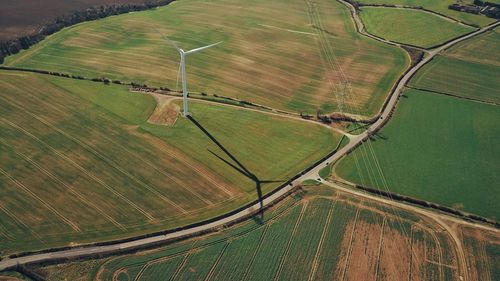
(79,161)
(284,54)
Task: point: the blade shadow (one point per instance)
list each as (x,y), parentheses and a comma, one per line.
(237,165)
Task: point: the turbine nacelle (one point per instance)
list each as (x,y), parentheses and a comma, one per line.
(183,54)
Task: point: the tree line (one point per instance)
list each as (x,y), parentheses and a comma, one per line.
(13,46)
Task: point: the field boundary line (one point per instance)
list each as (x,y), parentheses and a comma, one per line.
(216,263)
(380,243)
(44,203)
(349,249)
(361,29)
(290,240)
(319,249)
(453,95)
(116,193)
(272,112)
(70,188)
(424,49)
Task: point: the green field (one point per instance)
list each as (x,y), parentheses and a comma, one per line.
(285,54)
(481,49)
(83,158)
(417,28)
(469,69)
(437,148)
(314,235)
(438,6)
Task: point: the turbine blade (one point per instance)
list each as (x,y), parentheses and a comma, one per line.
(201,48)
(170,42)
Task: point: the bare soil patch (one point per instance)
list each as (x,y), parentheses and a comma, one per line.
(363,264)
(478,246)
(395,255)
(166,112)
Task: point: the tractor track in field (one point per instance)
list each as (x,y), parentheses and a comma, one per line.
(440,219)
(279,193)
(315,262)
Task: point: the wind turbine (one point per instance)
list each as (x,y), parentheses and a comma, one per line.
(183,55)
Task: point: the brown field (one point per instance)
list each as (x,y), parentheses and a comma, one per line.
(23,17)
(482,252)
(364,245)
(387,246)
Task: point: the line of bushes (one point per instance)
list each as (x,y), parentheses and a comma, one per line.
(13,46)
(135,86)
(426,204)
(454,95)
(416,8)
(416,55)
(53,73)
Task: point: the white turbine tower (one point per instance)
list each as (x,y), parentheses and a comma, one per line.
(183,55)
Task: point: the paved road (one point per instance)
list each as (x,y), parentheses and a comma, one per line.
(391,103)
(91,250)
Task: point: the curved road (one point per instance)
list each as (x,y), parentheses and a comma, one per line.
(391,103)
(360,28)
(123,246)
